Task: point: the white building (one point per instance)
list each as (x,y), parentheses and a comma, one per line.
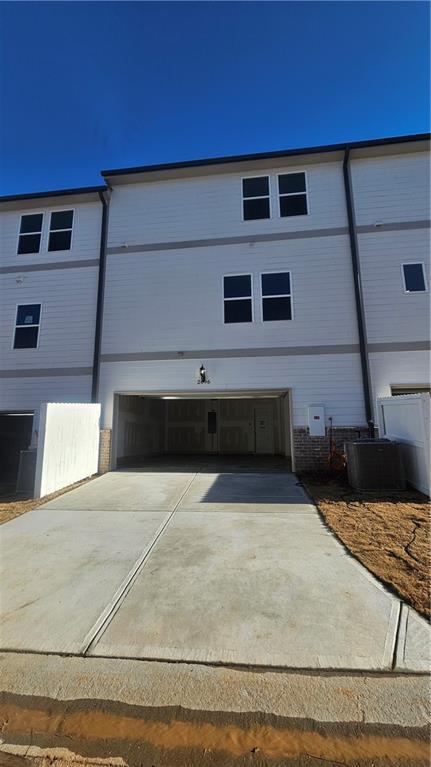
(298,280)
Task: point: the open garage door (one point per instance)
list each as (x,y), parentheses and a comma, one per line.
(15,435)
(181,425)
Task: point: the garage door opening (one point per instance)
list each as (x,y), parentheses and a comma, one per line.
(244,426)
(15,435)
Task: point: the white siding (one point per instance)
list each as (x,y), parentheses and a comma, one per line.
(391,314)
(333,380)
(394,189)
(85,235)
(68,299)
(211,206)
(391,189)
(173,300)
(389,368)
(28,393)
(66,335)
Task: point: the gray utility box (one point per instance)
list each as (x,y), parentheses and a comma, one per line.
(26,472)
(374,464)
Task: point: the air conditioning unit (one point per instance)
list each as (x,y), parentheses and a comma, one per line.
(374,464)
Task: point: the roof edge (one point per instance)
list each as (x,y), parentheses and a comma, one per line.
(53,193)
(267,155)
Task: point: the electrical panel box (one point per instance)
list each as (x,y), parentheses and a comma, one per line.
(316,420)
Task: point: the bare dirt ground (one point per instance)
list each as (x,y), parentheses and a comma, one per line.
(13,505)
(387,531)
(48,733)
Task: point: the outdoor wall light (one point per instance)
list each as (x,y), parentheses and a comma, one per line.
(203,376)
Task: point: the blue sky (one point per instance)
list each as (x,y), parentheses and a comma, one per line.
(86,86)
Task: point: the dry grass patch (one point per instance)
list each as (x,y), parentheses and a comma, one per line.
(13,505)
(388,531)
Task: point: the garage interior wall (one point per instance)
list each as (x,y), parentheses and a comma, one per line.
(140,426)
(239,426)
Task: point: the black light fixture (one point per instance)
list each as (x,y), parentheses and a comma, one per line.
(203,376)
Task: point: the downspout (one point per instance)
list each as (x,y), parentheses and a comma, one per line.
(104,198)
(360,314)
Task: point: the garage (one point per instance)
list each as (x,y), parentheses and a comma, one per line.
(15,435)
(257,424)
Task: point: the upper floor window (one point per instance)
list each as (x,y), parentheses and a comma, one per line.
(237,297)
(30,233)
(60,230)
(255,198)
(27,326)
(292,194)
(276,296)
(414,278)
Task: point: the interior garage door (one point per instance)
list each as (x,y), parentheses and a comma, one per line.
(148,425)
(237,426)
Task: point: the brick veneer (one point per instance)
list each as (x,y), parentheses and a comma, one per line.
(311,453)
(105,451)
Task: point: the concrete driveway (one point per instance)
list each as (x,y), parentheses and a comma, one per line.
(199,563)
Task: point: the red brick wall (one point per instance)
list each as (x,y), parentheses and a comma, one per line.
(105,451)
(312,453)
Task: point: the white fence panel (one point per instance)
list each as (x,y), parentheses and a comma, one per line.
(406,419)
(68,445)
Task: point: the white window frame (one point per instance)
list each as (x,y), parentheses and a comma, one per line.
(24,234)
(67,229)
(34,325)
(238,298)
(278,295)
(293,194)
(414,263)
(257,197)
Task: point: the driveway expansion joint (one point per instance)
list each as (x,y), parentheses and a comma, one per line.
(102,623)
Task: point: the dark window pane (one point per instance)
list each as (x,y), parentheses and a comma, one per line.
(254,209)
(296,205)
(276,309)
(237,311)
(32,223)
(255,187)
(62,220)
(237,287)
(26,338)
(28,243)
(28,314)
(414,277)
(291,182)
(274,284)
(59,240)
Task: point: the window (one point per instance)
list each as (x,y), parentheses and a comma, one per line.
(237,298)
(60,230)
(414,278)
(27,326)
(293,194)
(398,389)
(30,233)
(276,296)
(255,193)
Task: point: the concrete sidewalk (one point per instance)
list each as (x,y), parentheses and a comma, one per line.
(230,568)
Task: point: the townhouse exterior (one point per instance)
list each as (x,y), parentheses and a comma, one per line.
(238,305)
